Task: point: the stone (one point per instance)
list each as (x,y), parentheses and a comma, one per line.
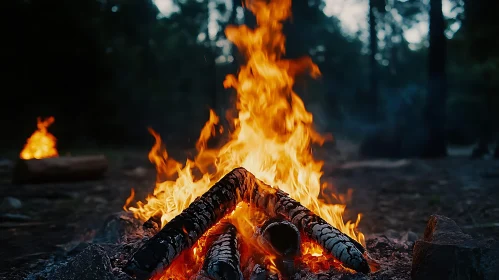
(410,236)
(92,263)
(10,203)
(445,252)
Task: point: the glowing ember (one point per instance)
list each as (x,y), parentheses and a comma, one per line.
(41,144)
(272,139)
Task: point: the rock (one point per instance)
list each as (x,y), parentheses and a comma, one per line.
(10,203)
(409,236)
(445,252)
(92,263)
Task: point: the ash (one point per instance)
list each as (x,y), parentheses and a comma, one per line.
(106,255)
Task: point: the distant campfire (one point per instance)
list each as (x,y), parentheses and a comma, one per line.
(41,144)
(40,161)
(253,203)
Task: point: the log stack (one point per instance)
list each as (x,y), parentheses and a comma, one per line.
(239,185)
(57,169)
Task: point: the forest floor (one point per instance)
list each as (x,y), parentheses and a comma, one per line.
(392,196)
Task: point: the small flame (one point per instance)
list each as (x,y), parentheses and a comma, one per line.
(271,136)
(129,199)
(41,144)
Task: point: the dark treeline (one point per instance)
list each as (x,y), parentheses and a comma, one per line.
(108,69)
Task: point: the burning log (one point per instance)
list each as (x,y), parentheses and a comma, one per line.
(186,228)
(59,169)
(223,258)
(282,238)
(345,249)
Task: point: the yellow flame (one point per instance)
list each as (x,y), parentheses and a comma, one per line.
(273,131)
(41,144)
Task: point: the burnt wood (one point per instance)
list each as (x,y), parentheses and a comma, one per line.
(281,237)
(185,229)
(204,212)
(56,169)
(223,260)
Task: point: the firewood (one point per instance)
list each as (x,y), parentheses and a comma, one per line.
(239,184)
(348,251)
(279,236)
(66,168)
(185,229)
(222,261)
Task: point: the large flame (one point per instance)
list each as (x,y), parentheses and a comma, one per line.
(41,144)
(273,131)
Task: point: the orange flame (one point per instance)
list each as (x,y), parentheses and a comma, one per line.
(41,144)
(272,136)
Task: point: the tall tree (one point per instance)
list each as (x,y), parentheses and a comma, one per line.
(375,6)
(436,145)
(480,24)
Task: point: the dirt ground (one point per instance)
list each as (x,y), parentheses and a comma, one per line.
(392,196)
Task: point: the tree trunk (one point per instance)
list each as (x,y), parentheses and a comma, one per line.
(435,145)
(373,50)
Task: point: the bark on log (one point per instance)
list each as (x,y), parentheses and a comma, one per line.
(56,169)
(185,229)
(223,261)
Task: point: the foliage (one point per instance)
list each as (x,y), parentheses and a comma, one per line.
(107,69)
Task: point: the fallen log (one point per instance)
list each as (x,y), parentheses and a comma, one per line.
(223,260)
(56,169)
(239,184)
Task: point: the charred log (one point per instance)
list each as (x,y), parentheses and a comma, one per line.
(348,251)
(223,259)
(282,239)
(59,169)
(185,229)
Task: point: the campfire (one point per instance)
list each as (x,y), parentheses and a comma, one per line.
(39,161)
(251,206)
(41,144)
